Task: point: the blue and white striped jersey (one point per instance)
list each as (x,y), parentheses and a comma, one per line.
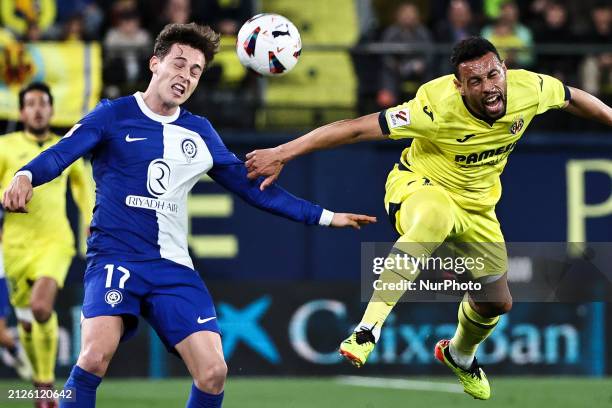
(144,166)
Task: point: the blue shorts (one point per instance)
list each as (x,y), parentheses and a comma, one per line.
(5,307)
(171,297)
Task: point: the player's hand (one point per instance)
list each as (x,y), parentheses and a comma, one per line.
(18,194)
(264,163)
(341,220)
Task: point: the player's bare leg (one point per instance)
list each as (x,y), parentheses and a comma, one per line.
(42,333)
(13,355)
(6,340)
(99,340)
(202,353)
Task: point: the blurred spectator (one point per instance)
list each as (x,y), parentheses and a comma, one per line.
(457,26)
(493,9)
(174,11)
(402,74)
(226,17)
(386,10)
(513,40)
(78,19)
(555,29)
(127,46)
(597,69)
(28,19)
(440,10)
(74,29)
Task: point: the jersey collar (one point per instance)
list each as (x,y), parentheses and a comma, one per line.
(152,115)
(31,138)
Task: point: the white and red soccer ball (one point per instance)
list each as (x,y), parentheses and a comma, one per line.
(269,44)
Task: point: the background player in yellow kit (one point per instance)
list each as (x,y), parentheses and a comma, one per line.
(38,248)
(13,355)
(447,183)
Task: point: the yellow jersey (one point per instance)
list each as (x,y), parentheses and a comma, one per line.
(459,151)
(46,222)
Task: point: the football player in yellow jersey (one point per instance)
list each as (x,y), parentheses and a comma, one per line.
(38,249)
(13,355)
(445,187)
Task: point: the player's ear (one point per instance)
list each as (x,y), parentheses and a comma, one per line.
(153,63)
(458,85)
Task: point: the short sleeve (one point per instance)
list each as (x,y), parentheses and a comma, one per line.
(413,119)
(552,93)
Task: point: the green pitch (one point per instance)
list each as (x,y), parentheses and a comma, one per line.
(336,393)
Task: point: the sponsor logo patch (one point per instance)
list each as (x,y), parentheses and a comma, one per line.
(189,148)
(149,203)
(113,297)
(399,117)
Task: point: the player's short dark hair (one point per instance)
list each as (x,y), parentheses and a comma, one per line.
(200,37)
(34,86)
(469,49)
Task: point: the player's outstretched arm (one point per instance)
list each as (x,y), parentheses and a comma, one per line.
(585,105)
(276,200)
(79,140)
(269,162)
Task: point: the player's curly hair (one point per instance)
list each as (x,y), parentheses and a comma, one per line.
(197,36)
(469,49)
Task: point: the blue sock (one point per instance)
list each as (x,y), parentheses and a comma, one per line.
(83,386)
(201,399)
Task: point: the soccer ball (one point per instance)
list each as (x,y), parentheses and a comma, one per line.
(269,44)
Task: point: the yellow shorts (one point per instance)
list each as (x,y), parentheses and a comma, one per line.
(24,267)
(480,229)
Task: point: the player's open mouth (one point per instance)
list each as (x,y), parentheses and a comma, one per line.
(493,103)
(178,89)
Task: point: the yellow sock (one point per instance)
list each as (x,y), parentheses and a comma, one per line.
(28,345)
(472,330)
(383,301)
(44,337)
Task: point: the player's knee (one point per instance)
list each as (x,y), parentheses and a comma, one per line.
(211,378)
(41,311)
(93,361)
(497,308)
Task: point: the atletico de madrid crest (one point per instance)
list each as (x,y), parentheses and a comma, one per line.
(517,125)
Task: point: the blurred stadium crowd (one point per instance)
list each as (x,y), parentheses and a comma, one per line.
(360,55)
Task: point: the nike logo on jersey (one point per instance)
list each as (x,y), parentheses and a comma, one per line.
(465,139)
(133,139)
(202,321)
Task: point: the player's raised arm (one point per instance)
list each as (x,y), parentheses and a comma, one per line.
(45,167)
(269,162)
(585,105)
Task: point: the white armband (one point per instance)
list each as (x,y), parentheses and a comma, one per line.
(26,173)
(326,218)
